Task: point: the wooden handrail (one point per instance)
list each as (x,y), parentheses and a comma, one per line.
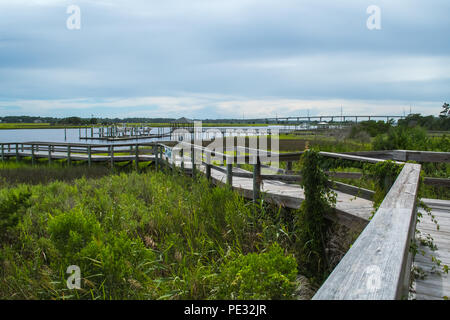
(378,264)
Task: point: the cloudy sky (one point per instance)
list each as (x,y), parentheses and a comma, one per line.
(223,58)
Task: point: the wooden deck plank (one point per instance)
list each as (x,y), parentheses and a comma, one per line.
(435,285)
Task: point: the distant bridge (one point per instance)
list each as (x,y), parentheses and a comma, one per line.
(335,118)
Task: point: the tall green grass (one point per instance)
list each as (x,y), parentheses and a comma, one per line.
(142,236)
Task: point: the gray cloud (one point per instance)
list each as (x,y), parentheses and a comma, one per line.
(235,50)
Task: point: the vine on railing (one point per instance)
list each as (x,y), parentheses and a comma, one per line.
(311,225)
(426,240)
(384,175)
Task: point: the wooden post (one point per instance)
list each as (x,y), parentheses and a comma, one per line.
(17,152)
(208,165)
(89,155)
(182,159)
(208,172)
(229,172)
(156,153)
(137,157)
(111,155)
(3,152)
(289,166)
(193,160)
(69,161)
(32,154)
(49,154)
(256,180)
(161,156)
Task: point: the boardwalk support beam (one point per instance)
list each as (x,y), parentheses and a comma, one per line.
(257,180)
(68,156)
(229,172)
(136,159)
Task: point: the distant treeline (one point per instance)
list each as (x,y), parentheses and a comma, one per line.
(80,121)
(439,123)
(374,128)
(106,121)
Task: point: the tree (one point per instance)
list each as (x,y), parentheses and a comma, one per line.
(445,113)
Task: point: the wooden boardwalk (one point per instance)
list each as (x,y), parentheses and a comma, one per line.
(352,211)
(435,285)
(83,157)
(291,195)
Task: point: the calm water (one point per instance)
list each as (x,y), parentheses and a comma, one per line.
(57,135)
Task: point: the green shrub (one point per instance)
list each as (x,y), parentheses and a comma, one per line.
(268,275)
(384,175)
(136,236)
(12,203)
(372,127)
(402,138)
(118,265)
(71,231)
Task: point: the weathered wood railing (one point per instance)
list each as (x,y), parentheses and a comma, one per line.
(256,157)
(378,264)
(125,151)
(135,152)
(78,152)
(407,155)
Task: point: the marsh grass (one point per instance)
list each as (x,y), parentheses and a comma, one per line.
(153,235)
(13,173)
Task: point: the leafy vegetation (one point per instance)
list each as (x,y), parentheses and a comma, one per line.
(267,275)
(384,175)
(142,236)
(373,128)
(406,138)
(440,123)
